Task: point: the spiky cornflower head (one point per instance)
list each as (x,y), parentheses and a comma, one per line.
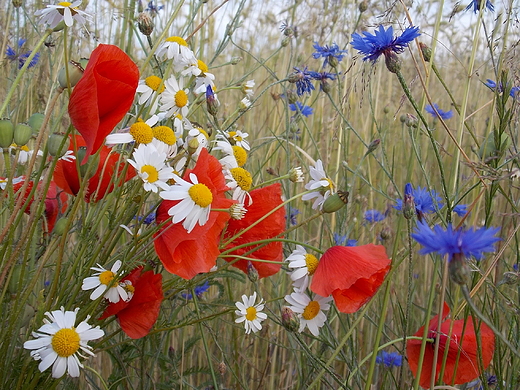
(426,202)
(302,78)
(383,42)
(250,314)
(340,240)
(105,282)
(441,114)
(332,54)
(300,108)
(389,359)
(13,54)
(151,167)
(513,92)
(292,215)
(475,4)
(320,183)
(63,11)
(468,242)
(58,342)
(153,9)
(373,216)
(310,311)
(460,209)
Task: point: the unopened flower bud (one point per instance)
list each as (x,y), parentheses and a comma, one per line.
(426,52)
(235,60)
(392,61)
(54,144)
(458,269)
(61,25)
(17,3)
(212,102)
(296,175)
(333,61)
(145,23)
(285,41)
(385,233)
(94,159)
(408,206)
(75,72)
(36,121)
(363,6)
(59,228)
(288,31)
(373,146)
(510,278)
(237,211)
(289,319)
(6,133)
(403,118)
(335,202)
(22,134)
(325,87)
(193,145)
(292,97)
(252,273)
(222,368)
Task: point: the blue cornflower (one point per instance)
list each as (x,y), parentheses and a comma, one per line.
(426,202)
(443,114)
(332,54)
(13,55)
(343,241)
(302,79)
(199,290)
(292,215)
(301,108)
(470,242)
(383,42)
(373,216)
(513,92)
(476,6)
(460,209)
(389,359)
(153,9)
(322,76)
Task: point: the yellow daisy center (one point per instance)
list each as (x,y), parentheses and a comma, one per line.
(24,148)
(153,175)
(203,132)
(250,313)
(181,99)
(201,195)
(65,342)
(242,177)
(141,132)
(178,40)
(240,155)
(106,277)
(65,4)
(154,82)
(202,66)
(311,311)
(130,288)
(311,262)
(165,134)
(331,185)
(232,134)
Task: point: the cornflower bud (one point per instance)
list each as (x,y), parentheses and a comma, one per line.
(363,6)
(426,52)
(458,269)
(289,320)
(235,60)
(392,61)
(145,23)
(373,146)
(252,273)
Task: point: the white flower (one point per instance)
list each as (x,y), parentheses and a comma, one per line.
(58,342)
(250,314)
(176,49)
(68,12)
(203,79)
(319,182)
(309,311)
(244,104)
(68,156)
(150,89)
(247,88)
(140,132)
(229,160)
(101,281)
(129,231)
(174,100)
(16,180)
(240,181)
(25,154)
(239,138)
(195,202)
(151,167)
(296,175)
(304,264)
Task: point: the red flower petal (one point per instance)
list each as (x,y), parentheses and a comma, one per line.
(103,95)
(351,274)
(467,352)
(185,254)
(55,203)
(264,200)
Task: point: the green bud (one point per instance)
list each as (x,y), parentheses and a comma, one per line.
(363,6)
(385,233)
(285,41)
(235,60)
(325,86)
(22,134)
(75,71)
(333,61)
(145,23)
(289,320)
(17,3)
(510,278)
(54,143)
(59,227)
(6,133)
(335,202)
(36,121)
(193,145)
(393,63)
(292,97)
(426,52)
(94,159)
(458,269)
(252,272)
(61,25)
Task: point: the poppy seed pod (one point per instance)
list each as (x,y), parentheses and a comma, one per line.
(335,202)
(36,121)
(55,141)
(22,134)
(74,71)
(6,133)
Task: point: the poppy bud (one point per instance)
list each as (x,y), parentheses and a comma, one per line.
(82,152)
(289,319)
(36,121)
(59,228)
(55,141)
(335,202)
(22,134)
(75,72)
(6,133)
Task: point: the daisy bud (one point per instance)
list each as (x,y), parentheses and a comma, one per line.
(54,143)
(6,133)
(252,273)
(75,71)
(237,211)
(36,121)
(145,23)
(335,202)
(22,134)
(426,52)
(289,320)
(458,269)
(296,175)
(245,103)
(392,61)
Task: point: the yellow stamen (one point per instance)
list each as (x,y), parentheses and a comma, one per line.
(242,177)
(24,148)
(178,40)
(311,311)
(250,313)
(181,99)
(154,82)
(153,175)
(201,195)
(240,155)
(65,342)
(311,262)
(164,134)
(65,4)
(141,132)
(106,277)
(202,66)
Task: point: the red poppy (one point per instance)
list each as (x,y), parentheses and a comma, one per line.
(264,201)
(461,356)
(101,182)
(352,274)
(103,95)
(138,315)
(187,254)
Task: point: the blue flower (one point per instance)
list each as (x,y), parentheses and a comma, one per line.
(302,79)
(343,241)
(331,54)
(426,202)
(513,92)
(292,215)
(13,55)
(460,209)
(299,107)
(383,42)
(373,216)
(322,76)
(443,114)
(199,290)
(476,6)
(389,359)
(153,9)
(449,242)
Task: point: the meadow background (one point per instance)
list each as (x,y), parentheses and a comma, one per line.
(195,343)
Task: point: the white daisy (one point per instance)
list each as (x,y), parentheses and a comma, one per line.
(239,138)
(68,156)
(58,342)
(240,181)
(165,140)
(319,182)
(244,104)
(68,12)
(309,311)
(250,314)
(201,136)
(247,88)
(25,154)
(16,180)
(151,166)
(101,281)
(195,202)
(174,100)
(304,264)
(140,132)
(176,49)
(150,89)
(296,175)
